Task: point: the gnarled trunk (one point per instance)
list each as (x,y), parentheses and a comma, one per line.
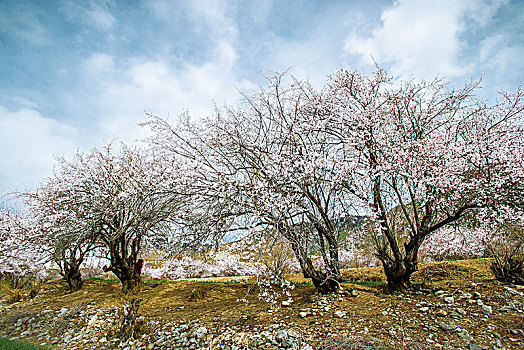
(323,282)
(398,269)
(73,277)
(69,268)
(398,274)
(124,257)
(124,269)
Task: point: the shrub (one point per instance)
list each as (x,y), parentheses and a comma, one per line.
(508,254)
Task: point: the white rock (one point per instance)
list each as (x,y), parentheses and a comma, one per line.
(513,291)
(201,332)
(449,300)
(93,320)
(340,314)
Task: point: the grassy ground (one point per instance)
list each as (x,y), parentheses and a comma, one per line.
(6,344)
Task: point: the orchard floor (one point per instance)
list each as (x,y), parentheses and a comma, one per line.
(449,311)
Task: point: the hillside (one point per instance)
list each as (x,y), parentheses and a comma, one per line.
(459,306)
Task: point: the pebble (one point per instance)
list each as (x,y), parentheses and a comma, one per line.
(486,309)
(192,336)
(441,313)
(340,314)
(448,327)
(460,311)
(286,303)
(513,291)
(449,300)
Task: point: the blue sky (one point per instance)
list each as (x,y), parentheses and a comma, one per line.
(77,74)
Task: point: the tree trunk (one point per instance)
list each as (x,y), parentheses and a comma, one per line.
(131,284)
(130,315)
(73,278)
(124,256)
(324,284)
(126,273)
(69,261)
(398,274)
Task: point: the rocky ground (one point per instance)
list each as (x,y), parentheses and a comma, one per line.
(472,313)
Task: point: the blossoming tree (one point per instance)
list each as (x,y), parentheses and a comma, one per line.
(418,157)
(61,221)
(114,198)
(22,256)
(263,166)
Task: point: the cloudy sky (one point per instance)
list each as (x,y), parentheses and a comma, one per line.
(77,74)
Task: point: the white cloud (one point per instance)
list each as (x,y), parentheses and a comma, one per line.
(22,23)
(215,18)
(501,60)
(99,63)
(310,59)
(100,16)
(96,14)
(124,89)
(422,37)
(122,92)
(29,143)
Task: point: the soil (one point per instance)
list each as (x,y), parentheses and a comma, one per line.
(413,320)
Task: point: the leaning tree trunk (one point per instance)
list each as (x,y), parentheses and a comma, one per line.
(323,282)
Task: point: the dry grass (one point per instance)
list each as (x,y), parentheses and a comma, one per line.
(12,294)
(454,270)
(212,291)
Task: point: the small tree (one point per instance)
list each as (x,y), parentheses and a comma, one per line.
(125,203)
(62,223)
(22,256)
(508,254)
